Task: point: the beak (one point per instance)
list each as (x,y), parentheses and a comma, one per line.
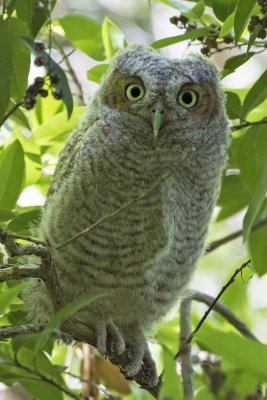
(157,117)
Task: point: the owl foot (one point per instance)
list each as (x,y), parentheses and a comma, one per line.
(140,359)
(109,339)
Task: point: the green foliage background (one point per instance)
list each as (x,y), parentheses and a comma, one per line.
(31,140)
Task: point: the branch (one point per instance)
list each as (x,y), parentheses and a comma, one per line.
(13,331)
(225,312)
(10,112)
(11,271)
(217,243)
(195,331)
(186,358)
(246,124)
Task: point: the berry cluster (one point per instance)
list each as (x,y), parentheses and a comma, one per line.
(41,86)
(256,21)
(209,43)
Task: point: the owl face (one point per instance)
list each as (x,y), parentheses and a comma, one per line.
(175,99)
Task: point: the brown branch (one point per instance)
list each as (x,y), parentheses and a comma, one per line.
(195,331)
(186,357)
(217,243)
(246,124)
(11,271)
(8,332)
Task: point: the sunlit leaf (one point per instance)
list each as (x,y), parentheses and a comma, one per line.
(255,203)
(241,16)
(5,66)
(6,215)
(223,8)
(256,95)
(233,105)
(8,296)
(12,168)
(227,25)
(171,386)
(95,74)
(24,221)
(258,249)
(85,34)
(233,63)
(113,38)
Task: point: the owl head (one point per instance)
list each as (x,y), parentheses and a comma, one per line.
(177,100)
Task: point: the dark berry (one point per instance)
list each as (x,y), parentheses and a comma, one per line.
(39,82)
(262,33)
(254,20)
(264,22)
(57,94)
(39,61)
(174,20)
(227,39)
(29,103)
(43,92)
(183,19)
(55,79)
(32,90)
(205,51)
(39,46)
(191,27)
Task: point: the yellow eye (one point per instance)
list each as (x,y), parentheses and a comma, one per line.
(188,98)
(135,92)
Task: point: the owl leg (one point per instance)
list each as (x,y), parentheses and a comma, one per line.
(109,338)
(140,358)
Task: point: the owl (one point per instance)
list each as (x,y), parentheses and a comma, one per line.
(151,149)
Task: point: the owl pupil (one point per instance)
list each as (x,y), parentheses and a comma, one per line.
(135,92)
(187,97)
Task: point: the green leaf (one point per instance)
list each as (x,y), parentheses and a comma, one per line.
(171,386)
(30,15)
(233,196)
(195,33)
(258,249)
(241,17)
(227,25)
(52,66)
(233,105)
(57,127)
(6,215)
(5,66)
(244,354)
(62,314)
(252,155)
(95,74)
(194,13)
(19,117)
(8,296)
(21,59)
(84,33)
(253,37)
(233,63)
(255,203)
(25,221)
(256,95)
(223,8)
(12,168)
(113,38)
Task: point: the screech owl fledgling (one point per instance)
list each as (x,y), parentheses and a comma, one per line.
(154,122)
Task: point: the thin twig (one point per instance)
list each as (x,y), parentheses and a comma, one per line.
(10,112)
(44,378)
(72,73)
(246,124)
(186,357)
(217,243)
(195,331)
(225,312)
